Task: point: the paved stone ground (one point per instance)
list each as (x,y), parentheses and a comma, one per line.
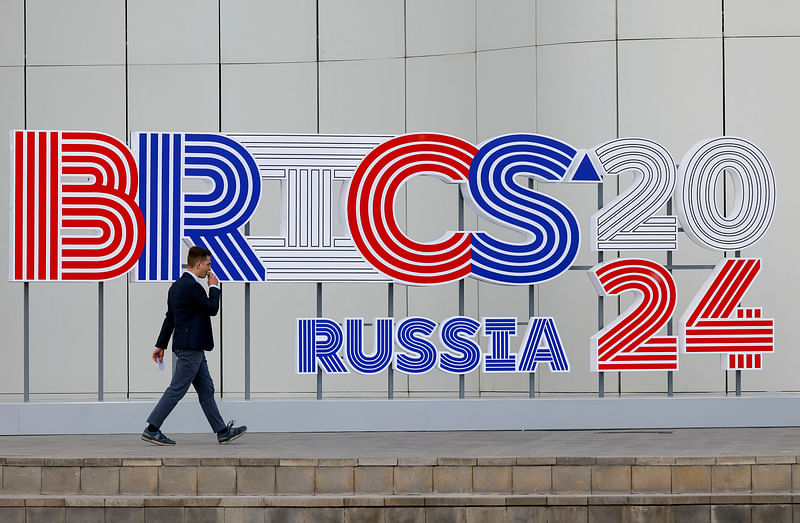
(752,442)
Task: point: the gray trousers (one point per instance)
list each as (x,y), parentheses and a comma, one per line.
(191,369)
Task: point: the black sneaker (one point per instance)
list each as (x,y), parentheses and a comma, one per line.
(230,433)
(157,438)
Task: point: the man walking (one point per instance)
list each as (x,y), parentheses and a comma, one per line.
(189,312)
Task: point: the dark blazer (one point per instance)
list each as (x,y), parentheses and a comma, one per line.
(189,312)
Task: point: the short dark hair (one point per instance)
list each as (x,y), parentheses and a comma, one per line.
(196,254)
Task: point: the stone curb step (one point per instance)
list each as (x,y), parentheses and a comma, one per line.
(717,508)
(393,476)
(398,501)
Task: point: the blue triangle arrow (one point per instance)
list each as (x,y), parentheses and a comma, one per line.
(586,172)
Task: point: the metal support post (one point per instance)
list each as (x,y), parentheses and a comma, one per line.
(319,315)
(100,299)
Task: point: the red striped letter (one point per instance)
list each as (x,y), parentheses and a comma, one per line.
(714,322)
(628,343)
(370,208)
(74,212)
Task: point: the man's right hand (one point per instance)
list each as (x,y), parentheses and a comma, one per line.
(212,279)
(158,355)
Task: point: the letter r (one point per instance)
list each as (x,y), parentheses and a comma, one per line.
(212,218)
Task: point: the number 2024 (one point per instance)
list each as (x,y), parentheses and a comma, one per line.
(714,322)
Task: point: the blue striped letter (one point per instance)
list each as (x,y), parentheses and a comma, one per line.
(550,228)
(500,329)
(532,352)
(407,338)
(379,360)
(319,339)
(210,218)
(451,336)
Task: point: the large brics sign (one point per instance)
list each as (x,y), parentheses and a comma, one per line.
(86,207)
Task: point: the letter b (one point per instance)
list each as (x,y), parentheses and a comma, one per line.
(74,213)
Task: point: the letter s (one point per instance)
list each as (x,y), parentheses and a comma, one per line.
(552,235)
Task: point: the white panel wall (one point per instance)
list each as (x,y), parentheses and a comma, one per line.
(12,31)
(361,29)
(12,114)
(362,96)
(269,97)
(179,32)
(773,18)
(439,27)
(506,24)
(506,91)
(440,94)
(275,306)
(264,31)
(762,106)
(584,71)
(648,19)
(84,32)
(564,21)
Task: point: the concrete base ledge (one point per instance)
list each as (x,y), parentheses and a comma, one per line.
(411,415)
